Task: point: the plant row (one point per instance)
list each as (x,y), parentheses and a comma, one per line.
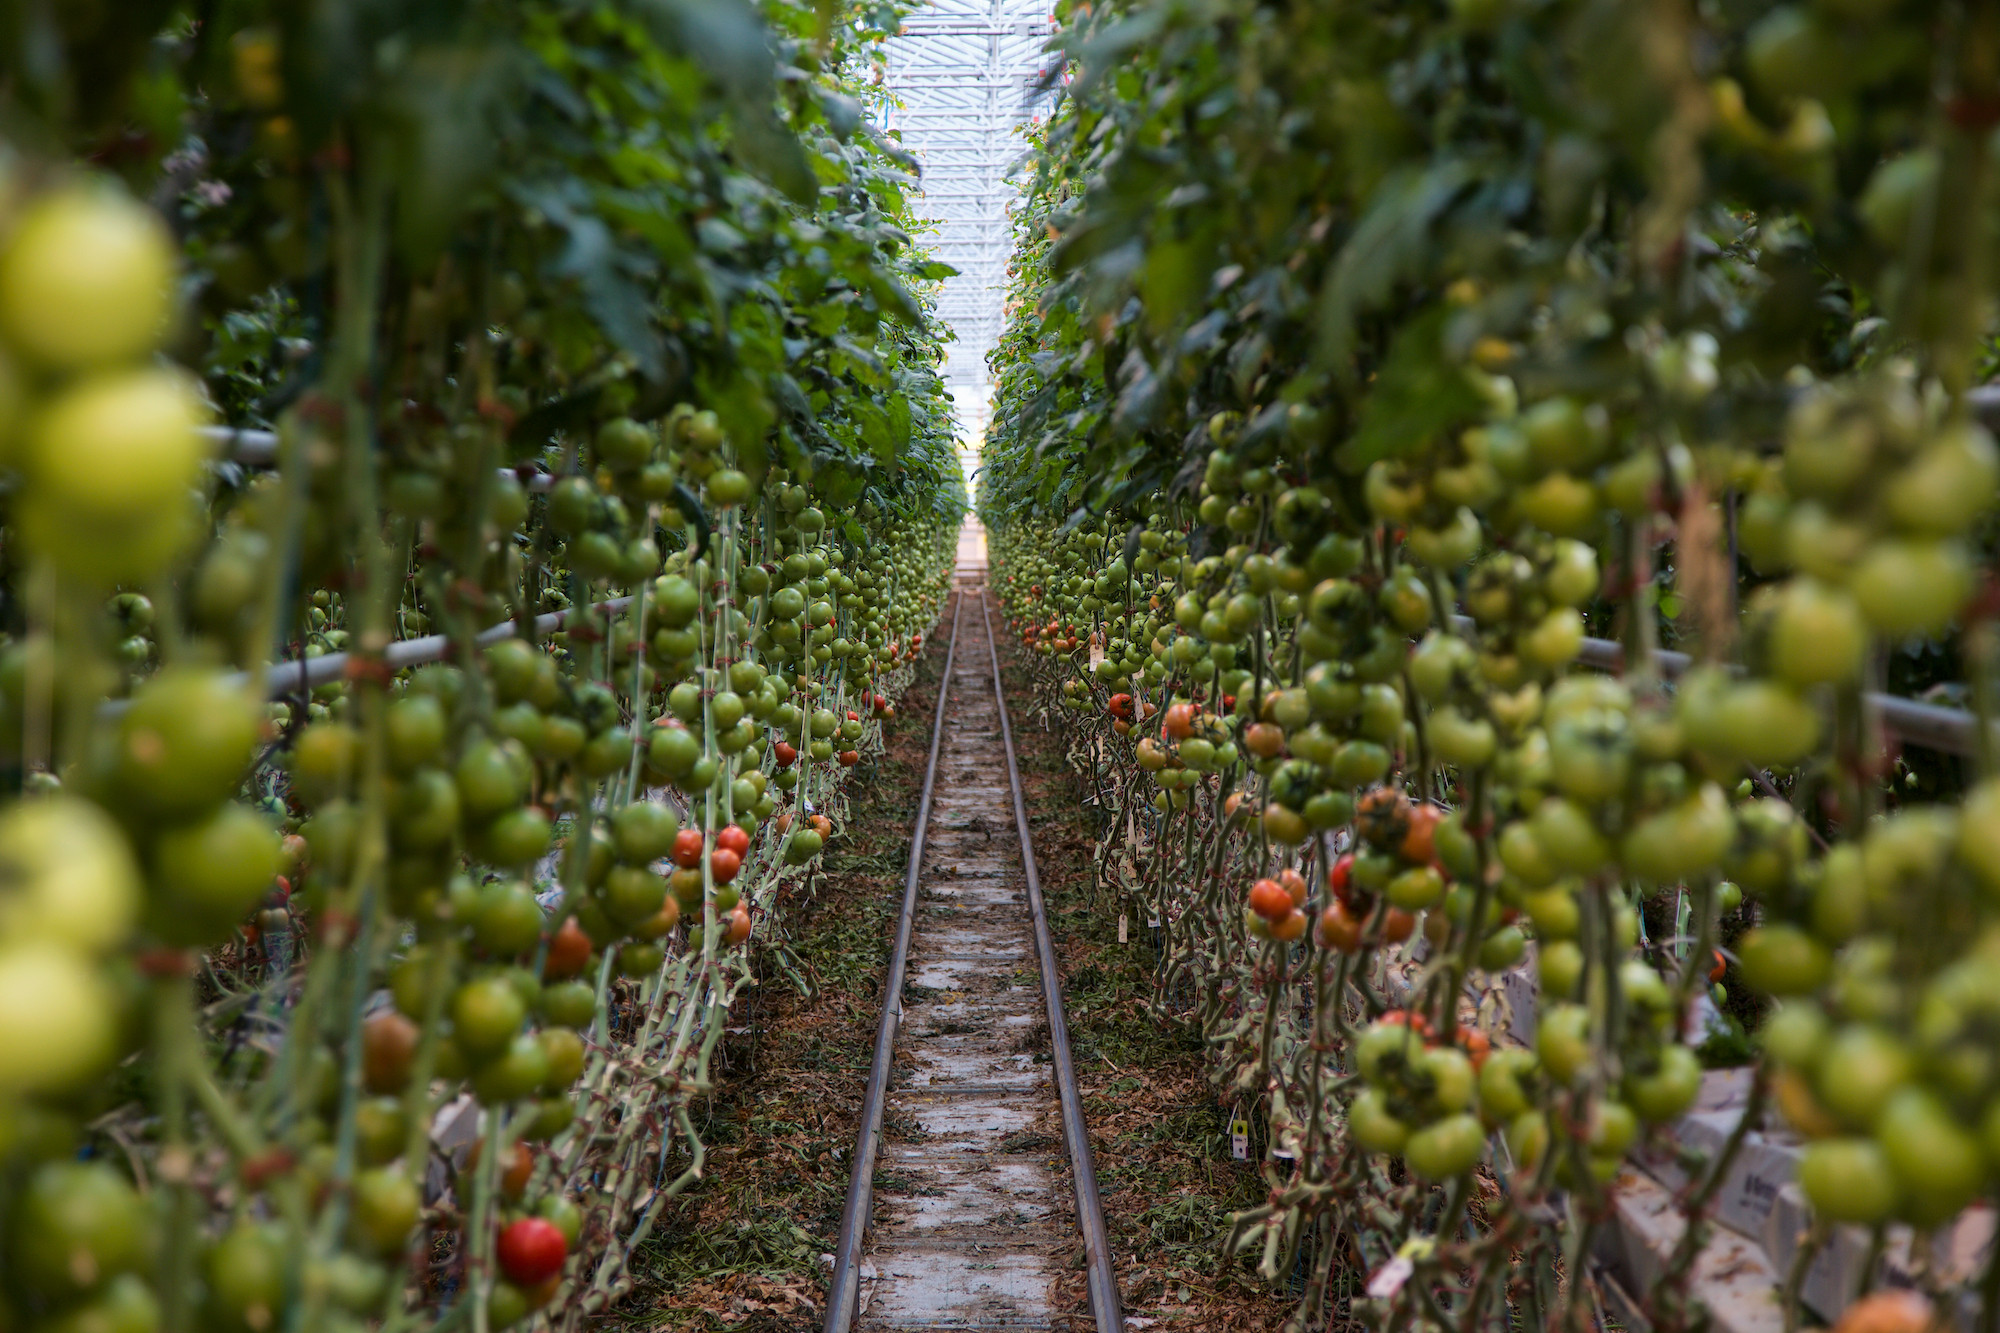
(1361,366)
(612,467)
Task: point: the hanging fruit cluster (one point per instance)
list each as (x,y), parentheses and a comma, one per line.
(1475,474)
(476,478)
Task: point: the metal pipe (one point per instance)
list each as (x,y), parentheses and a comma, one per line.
(1947,730)
(304,674)
(844,1285)
(1101,1279)
(259,448)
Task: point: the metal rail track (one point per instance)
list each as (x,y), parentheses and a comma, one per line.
(1102,1281)
(844,1286)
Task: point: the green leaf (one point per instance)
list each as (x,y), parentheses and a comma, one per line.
(1416,395)
(1388,246)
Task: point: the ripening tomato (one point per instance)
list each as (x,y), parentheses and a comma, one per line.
(732,838)
(723,865)
(736,925)
(568,952)
(388,1050)
(689,846)
(1291,927)
(1269,900)
(1338,930)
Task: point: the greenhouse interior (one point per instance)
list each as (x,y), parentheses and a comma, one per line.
(1210,666)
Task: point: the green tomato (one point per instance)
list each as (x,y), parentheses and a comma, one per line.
(1446,1148)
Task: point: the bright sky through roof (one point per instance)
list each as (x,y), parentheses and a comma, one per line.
(966,72)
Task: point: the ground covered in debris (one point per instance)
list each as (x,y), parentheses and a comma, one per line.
(742,1251)
(1160,1141)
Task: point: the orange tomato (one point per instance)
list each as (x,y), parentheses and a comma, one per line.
(1338,930)
(1269,900)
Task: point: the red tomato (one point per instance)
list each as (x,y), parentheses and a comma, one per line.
(786,752)
(849,758)
(1337,878)
(1269,900)
(688,847)
(531,1251)
(732,838)
(723,865)
(1295,884)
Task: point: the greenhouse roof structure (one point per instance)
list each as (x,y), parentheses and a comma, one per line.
(966,74)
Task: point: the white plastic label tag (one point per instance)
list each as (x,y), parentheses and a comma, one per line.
(1121,928)
(1239,1137)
